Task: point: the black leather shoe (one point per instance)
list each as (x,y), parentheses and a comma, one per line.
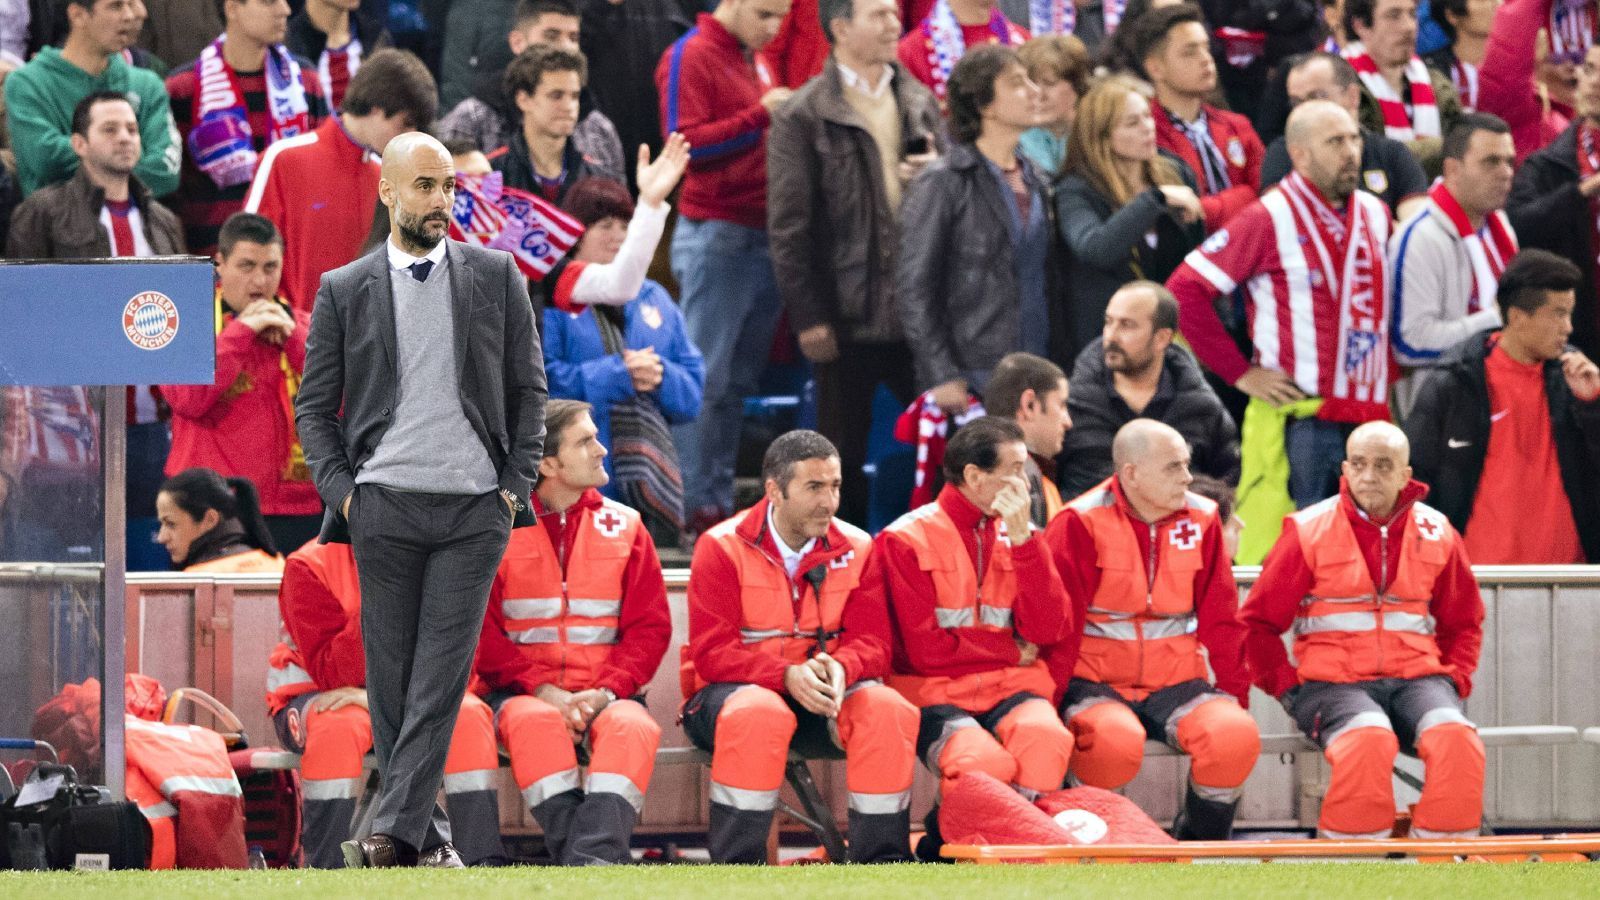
(376,852)
(443,856)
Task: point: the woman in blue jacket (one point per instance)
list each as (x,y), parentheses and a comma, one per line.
(633,362)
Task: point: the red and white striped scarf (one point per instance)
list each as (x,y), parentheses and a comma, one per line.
(947,43)
(335,67)
(1464,76)
(1398,124)
(1572,29)
(1346,255)
(1489,256)
(925,426)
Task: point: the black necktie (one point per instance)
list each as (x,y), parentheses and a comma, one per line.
(421,268)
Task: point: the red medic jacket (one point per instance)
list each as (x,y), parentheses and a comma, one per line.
(1286,581)
(319,602)
(921,645)
(1241,149)
(716,606)
(644,625)
(1216,596)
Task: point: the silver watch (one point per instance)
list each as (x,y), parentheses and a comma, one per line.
(516,502)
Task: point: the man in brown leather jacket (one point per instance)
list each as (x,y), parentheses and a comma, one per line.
(838,159)
(102,210)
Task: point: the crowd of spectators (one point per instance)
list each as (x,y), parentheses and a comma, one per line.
(1217,215)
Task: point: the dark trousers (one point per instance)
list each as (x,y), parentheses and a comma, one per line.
(426,563)
(845,388)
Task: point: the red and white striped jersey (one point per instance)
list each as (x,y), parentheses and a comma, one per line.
(1315,309)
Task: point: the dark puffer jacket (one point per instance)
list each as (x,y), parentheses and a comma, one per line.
(1183,400)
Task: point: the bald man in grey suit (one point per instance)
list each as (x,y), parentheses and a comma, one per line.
(428,348)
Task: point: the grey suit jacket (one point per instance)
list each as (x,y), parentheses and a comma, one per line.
(348,393)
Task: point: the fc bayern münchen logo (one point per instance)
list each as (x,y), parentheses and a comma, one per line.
(150,320)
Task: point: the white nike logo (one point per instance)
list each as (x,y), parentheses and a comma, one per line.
(1454,444)
(1499,415)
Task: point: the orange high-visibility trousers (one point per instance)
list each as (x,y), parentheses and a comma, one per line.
(623,740)
(1357,723)
(331,777)
(1219,736)
(1029,747)
(338,740)
(750,730)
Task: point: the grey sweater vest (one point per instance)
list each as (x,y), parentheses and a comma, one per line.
(429,447)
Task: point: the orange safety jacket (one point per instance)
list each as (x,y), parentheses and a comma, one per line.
(964,603)
(1140,633)
(240,563)
(1347,630)
(333,568)
(782,621)
(584,609)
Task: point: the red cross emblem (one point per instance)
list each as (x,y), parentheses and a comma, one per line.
(1429,528)
(608,523)
(842,561)
(1184,535)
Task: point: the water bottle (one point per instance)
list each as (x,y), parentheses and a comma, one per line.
(258,858)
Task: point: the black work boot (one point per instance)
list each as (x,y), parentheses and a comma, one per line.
(928,847)
(1203,819)
(554,816)
(880,838)
(739,835)
(599,831)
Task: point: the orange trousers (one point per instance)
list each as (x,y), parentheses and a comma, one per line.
(750,750)
(1219,736)
(1027,746)
(337,741)
(623,741)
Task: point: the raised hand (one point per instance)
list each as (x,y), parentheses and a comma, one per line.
(657,179)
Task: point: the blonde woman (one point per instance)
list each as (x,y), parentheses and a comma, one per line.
(1125,209)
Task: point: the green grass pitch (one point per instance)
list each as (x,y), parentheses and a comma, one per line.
(1277,881)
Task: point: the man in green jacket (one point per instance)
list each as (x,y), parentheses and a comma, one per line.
(41,95)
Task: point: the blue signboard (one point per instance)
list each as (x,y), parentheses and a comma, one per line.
(113,321)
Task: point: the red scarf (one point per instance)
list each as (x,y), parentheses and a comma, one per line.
(1347,252)
(925,426)
(1490,248)
(1422,120)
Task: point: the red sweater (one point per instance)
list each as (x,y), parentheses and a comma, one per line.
(238,424)
(644,629)
(1241,150)
(1285,581)
(716,611)
(922,646)
(1216,596)
(321,190)
(329,640)
(710,88)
